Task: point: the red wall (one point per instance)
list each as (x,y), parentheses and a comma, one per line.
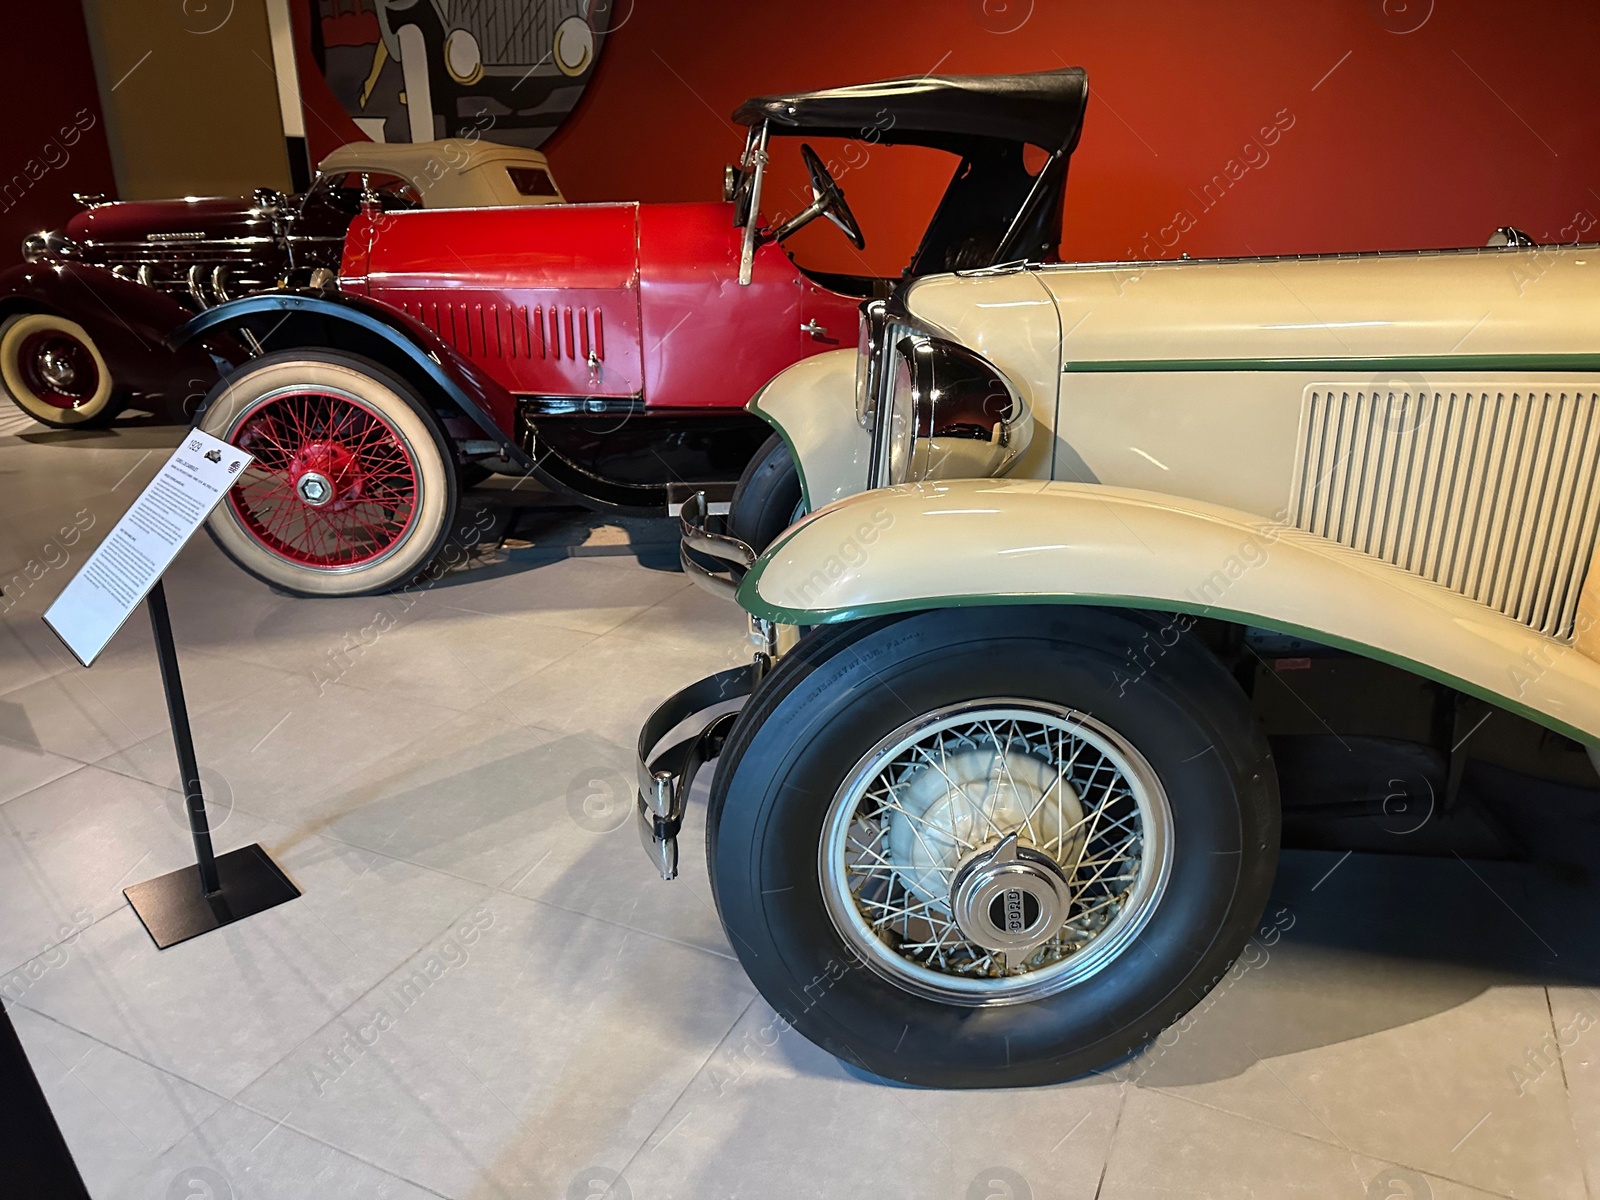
(1483,114)
(52,136)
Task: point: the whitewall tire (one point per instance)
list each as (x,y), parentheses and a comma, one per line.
(54,372)
(353,485)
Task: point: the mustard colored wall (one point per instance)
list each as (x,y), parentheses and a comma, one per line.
(189,94)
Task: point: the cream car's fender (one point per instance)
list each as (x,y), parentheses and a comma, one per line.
(812,405)
(986,542)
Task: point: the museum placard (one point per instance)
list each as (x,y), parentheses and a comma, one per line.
(124,567)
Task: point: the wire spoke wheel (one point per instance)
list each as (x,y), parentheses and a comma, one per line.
(334,485)
(996,851)
(940,867)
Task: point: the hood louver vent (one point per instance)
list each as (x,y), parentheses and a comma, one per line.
(1488,491)
(514,330)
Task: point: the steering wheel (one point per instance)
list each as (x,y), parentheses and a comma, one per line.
(830,199)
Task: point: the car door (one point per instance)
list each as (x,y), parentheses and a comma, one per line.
(707,341)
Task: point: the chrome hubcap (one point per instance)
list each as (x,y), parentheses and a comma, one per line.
(56,369)
(995,852)
(1010,898)
(315,489)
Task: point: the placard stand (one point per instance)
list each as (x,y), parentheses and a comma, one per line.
(215,891)
(125,568)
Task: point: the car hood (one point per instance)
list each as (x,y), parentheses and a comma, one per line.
(1376,311)
(198,220)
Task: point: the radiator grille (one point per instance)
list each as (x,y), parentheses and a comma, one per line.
(513,34)
(1491,493)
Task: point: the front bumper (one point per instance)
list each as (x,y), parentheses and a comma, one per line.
(730,558)
(666,777)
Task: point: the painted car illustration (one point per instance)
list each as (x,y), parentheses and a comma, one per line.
(608,349)
(85,318)
(1113,574)
(425,69)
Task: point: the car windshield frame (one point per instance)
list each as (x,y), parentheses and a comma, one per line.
(987,120)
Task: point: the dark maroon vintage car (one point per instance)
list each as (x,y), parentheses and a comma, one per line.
(85,318)
(607,349)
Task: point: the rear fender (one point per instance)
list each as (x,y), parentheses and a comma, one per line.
(285,320)
(990,542)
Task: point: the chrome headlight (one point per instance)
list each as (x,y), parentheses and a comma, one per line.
(869,343)
(39,246)
(951,414)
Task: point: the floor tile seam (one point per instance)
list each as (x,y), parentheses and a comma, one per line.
(354,1000)
(57,779)
(693,1076)
(326,833)
(105,916)
(650,608)
(155,666)
(326,1145)
(497,694)
(532,615)
(103,764)
(1566,1087)
(375,689)
(50,674)
(492,692)
(139,1056)
(166,1072)
(636,638)
(1335,1145)
(615,924)
(1111,1142)
(529,726)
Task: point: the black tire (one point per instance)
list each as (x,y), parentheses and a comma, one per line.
(834,697)
(470,475)
(409,430)
(768,498)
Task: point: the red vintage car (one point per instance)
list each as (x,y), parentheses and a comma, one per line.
(607,349)
(85,317)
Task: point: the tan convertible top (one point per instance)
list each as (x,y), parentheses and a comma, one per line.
(449,172)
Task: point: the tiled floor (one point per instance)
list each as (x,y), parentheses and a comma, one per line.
(484,991)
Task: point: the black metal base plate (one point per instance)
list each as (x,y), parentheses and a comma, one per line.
(174,910)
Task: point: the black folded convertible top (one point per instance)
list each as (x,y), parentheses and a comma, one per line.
(1045,109)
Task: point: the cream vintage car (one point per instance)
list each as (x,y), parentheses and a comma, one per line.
(1009,807)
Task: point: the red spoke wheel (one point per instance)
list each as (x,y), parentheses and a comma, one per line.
(351,488)
(54,372)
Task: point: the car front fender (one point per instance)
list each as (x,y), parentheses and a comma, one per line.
(280,320)
(129,322)
(991,542)
(812,405)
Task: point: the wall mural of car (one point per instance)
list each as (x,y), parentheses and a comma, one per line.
(1009,808)
(609,349)
(422,69)
(85,318)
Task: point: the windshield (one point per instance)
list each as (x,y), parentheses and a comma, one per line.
(892,190)
(341,192)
